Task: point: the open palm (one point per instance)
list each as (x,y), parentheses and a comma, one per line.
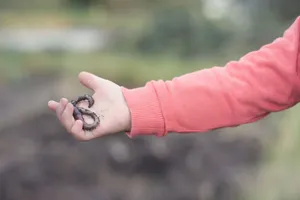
(109,105)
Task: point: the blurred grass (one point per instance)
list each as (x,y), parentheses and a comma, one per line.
(279,174)
(128,68)
(68,18)
(121,68)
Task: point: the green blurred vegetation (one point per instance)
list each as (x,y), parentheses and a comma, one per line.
(279,175)
(160,40)
(118,68)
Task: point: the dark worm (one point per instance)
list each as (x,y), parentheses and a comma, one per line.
(79,112)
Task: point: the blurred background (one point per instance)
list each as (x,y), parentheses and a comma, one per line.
(45,44)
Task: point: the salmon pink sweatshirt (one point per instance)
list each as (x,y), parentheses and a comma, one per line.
(240,92)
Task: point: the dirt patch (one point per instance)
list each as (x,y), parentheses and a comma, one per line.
(39,160)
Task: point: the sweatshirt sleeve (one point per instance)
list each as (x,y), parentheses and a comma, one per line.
(240,92)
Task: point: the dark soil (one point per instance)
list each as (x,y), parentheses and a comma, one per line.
(39,160)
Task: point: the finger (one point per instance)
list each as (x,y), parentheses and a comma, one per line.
(52,105)
(89,80)
(77,131)
(67,117)
(61,107)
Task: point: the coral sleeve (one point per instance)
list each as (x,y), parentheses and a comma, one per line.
(240,92)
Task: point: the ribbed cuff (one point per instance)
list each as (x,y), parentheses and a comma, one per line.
(146,115)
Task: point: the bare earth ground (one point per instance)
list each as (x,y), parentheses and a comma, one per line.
(39,160)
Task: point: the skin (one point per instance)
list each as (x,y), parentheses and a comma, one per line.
(109,104)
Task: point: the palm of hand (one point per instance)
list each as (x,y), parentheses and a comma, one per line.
(109,105)
(111,109)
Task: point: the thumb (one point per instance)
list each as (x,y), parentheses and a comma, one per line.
(89,80)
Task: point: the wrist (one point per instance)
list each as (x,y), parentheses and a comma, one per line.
(127,126)
(145,116)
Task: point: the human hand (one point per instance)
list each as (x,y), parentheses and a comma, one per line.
(110,106)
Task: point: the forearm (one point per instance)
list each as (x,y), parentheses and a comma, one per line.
(244,91)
